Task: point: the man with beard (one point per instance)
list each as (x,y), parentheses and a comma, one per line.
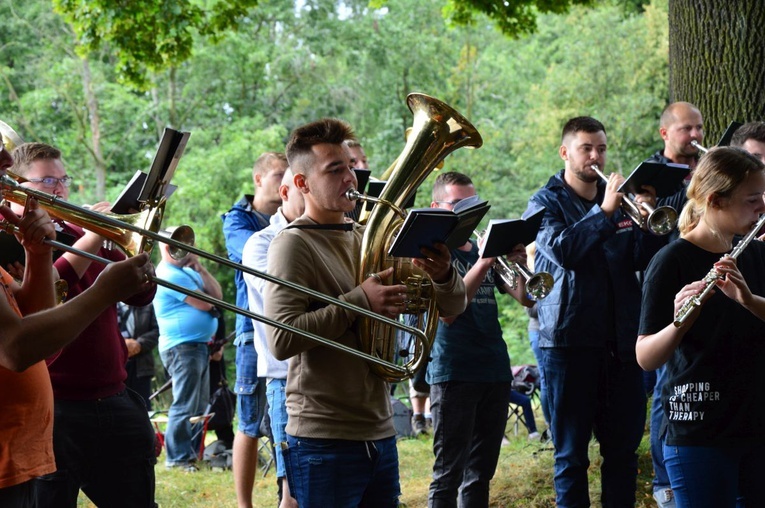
(588,323)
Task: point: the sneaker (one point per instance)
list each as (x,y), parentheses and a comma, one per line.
(428,423)
(419,426)
(535,436)
(665,498)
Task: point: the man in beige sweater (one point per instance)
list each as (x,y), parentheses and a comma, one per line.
(341,448)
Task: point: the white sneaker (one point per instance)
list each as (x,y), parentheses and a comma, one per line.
(665,498)
(535,436)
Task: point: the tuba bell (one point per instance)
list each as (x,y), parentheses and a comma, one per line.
(437,131)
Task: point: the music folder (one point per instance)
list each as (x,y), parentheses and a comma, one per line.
(503,235)
(665,178)
(12,251)
(169,152)
(128,200)
(424,227)
(728,134)
(375,189)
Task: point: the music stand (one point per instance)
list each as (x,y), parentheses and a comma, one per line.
(163,167)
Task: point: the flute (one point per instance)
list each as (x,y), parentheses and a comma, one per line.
(710,278)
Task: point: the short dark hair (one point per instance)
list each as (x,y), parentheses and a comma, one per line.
(582,124)
(750,130)
(26,153)
(303,138)
(449,178)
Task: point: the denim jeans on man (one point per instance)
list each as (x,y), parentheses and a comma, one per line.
(368,472)
(277,411)
(660,477)
(96,443)
(469,421)
(534,341)
(188,364)
(589,390)
(716,477)
(250,390)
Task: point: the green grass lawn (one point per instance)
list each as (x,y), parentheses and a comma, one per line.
(523,478)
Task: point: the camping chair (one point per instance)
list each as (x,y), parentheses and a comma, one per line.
(525,382)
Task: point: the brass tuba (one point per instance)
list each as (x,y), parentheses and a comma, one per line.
(437,130)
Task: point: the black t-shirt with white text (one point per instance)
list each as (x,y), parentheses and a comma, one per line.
(714,393)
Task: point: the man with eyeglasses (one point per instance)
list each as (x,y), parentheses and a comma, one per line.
(91,403)
(469,372)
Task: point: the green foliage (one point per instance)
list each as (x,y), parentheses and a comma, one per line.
(285,65)
(513,19)
(148,34)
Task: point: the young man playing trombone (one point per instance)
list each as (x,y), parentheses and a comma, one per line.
(26,400)
(341,446)
(91,402)
(588,323)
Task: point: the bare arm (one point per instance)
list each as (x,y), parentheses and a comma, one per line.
(25,341)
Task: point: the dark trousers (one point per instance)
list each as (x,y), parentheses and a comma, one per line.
(590,391)
(104,447)
(19,496)
(469,421)
(139,384)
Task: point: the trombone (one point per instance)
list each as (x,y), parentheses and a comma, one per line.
(125,234)
(538,285)
(661,220)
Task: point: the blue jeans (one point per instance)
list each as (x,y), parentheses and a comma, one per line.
(660,477)
(277,411)
(534,340)
(104,447)
(188,365)
(522,400)
(716,477)
(337,473)
(469,421)
(589,390)
(250,391)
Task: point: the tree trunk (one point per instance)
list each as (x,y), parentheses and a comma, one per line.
(717,60)
(95,131)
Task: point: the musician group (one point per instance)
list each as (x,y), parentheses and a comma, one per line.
(683,299)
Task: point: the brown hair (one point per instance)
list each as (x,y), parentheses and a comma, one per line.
(448,178)
(719,173)
(25,154)
(303,138)
(751,130)
(266,160)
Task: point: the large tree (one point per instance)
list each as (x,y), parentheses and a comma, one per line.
(716,50)
(717,60)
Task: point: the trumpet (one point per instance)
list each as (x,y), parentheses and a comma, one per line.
(661,220)
(538,285)
(133,239)
(712,276)
(698,146)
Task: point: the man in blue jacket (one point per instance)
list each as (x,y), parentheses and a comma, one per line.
(588,323)
(252,213)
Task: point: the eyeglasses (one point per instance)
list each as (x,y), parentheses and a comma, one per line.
(51,181)
(452,203)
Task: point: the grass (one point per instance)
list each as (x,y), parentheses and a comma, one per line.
(523,479)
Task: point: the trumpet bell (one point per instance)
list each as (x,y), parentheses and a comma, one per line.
(539,286)
(662,221)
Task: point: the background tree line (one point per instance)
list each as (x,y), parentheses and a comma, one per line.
(269,67)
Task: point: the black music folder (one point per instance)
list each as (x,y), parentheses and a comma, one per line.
(424,227)
(503,235)
(169,152)
(375,189)
(665,178)
(362,177)
(12,251)
(728,134)
(128,200)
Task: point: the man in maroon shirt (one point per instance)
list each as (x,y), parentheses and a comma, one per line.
(102,438)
